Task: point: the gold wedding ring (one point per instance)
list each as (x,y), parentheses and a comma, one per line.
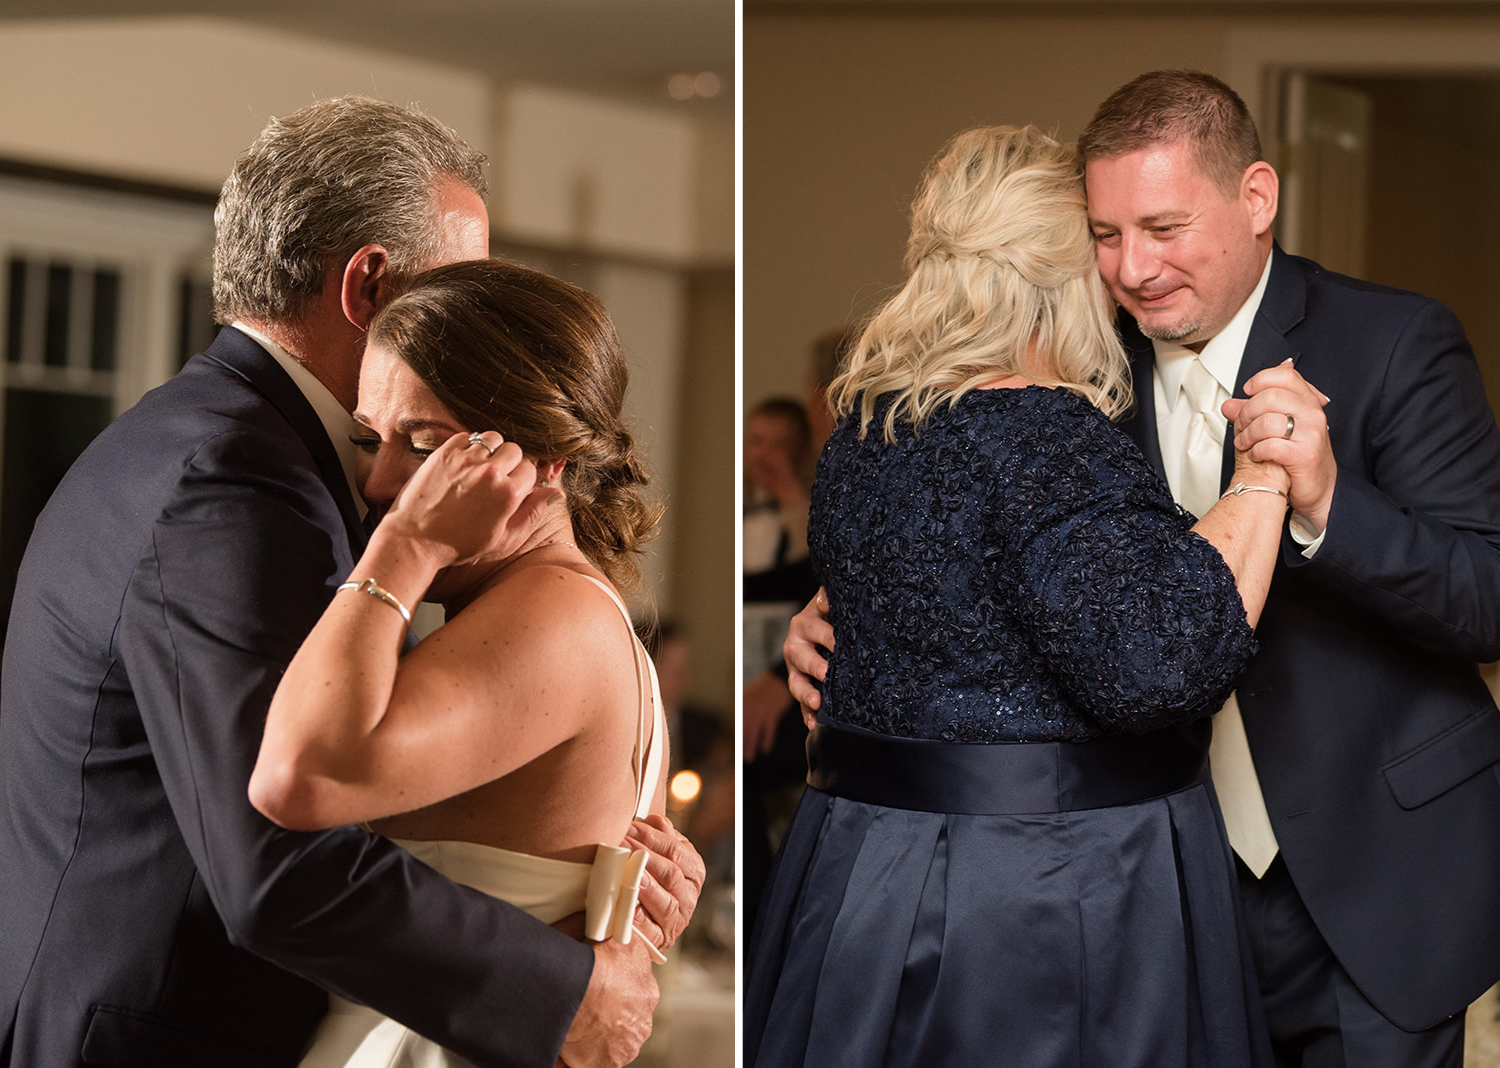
(1290,424)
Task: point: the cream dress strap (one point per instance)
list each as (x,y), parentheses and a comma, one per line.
(650,750)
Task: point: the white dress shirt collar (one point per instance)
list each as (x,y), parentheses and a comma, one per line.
(335,419)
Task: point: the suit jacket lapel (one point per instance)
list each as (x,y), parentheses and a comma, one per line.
(1281,308)
(1140,424)
(244,355)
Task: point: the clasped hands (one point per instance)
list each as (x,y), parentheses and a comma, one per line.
(1261,421)
(1276,400)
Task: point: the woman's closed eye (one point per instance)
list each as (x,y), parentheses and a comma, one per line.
(370,443)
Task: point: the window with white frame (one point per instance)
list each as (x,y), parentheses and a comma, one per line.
(104,295)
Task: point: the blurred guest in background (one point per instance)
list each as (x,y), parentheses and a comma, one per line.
(778,458)
(826,360)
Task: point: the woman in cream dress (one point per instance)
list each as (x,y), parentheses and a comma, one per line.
(526,731)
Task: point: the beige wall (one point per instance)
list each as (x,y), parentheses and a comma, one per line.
(841,112)
(705,582)
(175,100)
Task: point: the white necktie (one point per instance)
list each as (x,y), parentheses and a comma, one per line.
(1233,770)
(1203,465)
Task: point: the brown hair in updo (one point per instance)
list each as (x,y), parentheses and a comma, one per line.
(511,349)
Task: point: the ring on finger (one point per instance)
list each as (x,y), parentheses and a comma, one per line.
(477,438)
(1290,426)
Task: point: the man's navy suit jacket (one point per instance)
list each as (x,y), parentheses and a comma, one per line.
(148,914)
(1375,740)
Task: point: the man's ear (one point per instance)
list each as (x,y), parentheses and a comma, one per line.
(365,285)
(1261,189)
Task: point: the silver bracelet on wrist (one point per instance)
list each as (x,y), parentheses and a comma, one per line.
(1239,489)
(378,592)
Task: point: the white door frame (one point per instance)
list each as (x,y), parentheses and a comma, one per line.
(1257,56)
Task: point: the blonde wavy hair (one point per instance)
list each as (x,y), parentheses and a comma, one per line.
(1002,281)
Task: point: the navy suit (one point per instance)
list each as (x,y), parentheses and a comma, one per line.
(1374,738)
(150,915)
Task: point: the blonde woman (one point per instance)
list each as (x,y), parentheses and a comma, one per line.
(1010,852)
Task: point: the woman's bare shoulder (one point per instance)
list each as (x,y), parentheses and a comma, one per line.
(553,613)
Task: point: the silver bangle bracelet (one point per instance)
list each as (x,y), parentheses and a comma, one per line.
(371,587)
(1239,489)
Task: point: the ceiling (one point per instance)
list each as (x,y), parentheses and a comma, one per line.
(623,49)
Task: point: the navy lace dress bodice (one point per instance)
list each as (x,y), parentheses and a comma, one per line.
(1014,571)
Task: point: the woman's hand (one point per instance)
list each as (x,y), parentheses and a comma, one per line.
(1266,473)
(475,497)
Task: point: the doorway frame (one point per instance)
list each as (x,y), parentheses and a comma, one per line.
(1258,56)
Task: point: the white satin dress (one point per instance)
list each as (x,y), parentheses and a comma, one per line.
(353,1036)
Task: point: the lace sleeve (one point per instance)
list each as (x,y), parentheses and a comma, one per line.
(1137,617)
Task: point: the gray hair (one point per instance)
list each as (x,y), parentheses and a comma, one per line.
(318,185)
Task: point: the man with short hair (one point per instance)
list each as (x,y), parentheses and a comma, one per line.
(1357,762)
(152,916)
(1366,805)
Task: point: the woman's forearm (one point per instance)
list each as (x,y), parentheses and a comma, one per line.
(336,691)
(1246,528)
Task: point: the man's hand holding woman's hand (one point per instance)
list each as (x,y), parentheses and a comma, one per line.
(1281,421)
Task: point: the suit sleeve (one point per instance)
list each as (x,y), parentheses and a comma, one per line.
(1414,530)
(239,565)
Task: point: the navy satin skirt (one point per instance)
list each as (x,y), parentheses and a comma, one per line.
(1035,905)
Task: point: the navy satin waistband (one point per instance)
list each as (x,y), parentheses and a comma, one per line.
(1011,778)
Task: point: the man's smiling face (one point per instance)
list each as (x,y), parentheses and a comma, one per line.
(1179,254)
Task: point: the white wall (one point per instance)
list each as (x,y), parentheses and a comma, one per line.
(175,100)
(579,171)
